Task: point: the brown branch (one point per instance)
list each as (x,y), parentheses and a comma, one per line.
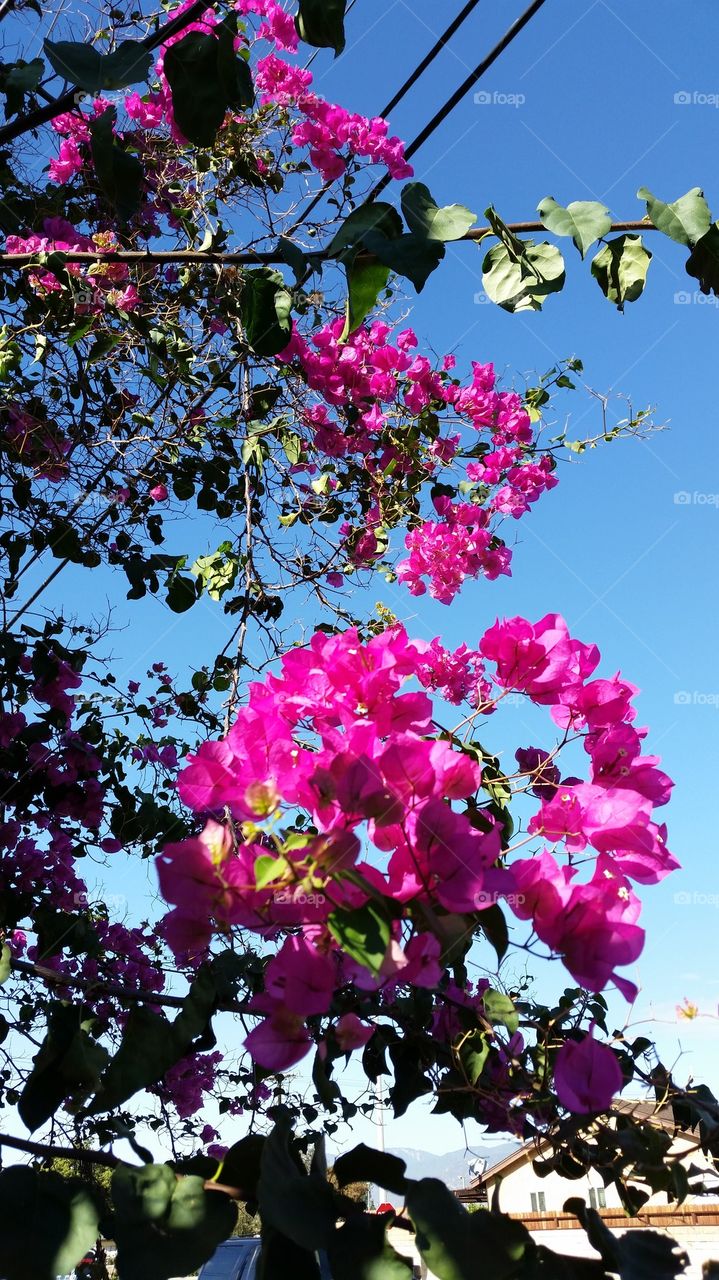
(79,1154)
(68,100)
(97,986)
(478,233)
(197,257)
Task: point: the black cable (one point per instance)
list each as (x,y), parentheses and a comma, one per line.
(400,94)
(464,88)
(430,57)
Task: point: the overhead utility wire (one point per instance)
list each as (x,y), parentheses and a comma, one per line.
(471,80)
(411,80)
(430,57)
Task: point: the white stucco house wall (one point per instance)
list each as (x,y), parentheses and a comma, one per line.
(523,1191)
(538,1201)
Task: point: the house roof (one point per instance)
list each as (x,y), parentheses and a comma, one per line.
(660,1116)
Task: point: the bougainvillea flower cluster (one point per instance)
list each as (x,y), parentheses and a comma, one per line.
(332,134)
(395,819)
(392,394)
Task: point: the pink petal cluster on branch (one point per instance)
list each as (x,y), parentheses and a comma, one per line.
(393,813)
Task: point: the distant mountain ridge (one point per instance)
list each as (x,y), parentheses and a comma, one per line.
(452,1166)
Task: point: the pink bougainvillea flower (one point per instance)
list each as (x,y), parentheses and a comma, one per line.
(351,1033)
(540,659)
(453,855)
(279,1041)
(301,977)
(586,1075)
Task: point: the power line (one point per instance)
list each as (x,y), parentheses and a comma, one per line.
(411,80)
(430,57)
(471,80)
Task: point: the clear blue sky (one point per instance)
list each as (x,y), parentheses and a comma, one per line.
(630,567)
(610,548)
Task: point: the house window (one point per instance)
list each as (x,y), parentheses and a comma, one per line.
(597,1198)
(538,1202)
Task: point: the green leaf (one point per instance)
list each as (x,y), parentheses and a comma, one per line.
(365,281)
(425,218)
(500,1010)
(241,1165)
(321,23)
(409,255)
(17,80)
(686,220)
(266,306)
(207,78)
(25,75)
(494,926)
(363,933)
(368,217)
(268,869)
(69,1061)
(298,1206)
(217,571)
(282,1258)
(181,593)
(473,1054)
(451,1241)
(326,1089)
(584,220)
(119,173)
(164,1225)
(703,261)
(233,71)
(292,445)
(360,1250)
(47,1223)
(59,931)
(364,1164)
(80,331)
(5,963)
(143,1194)
(620,269)
(519,274)
(410,1060)
(151,1045)
(83,66)
(289,252)
(102,346)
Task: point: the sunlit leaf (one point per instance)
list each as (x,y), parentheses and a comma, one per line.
(584,220)
(620,269)
(686,220)
(424,217)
